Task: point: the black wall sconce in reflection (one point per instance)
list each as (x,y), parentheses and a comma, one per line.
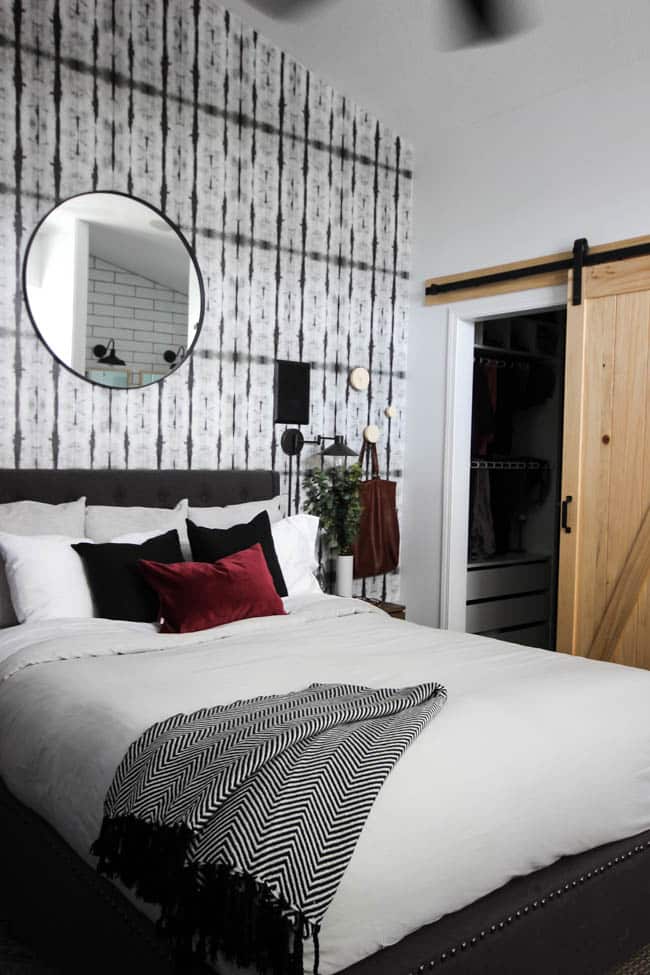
(174,358)
(106,355)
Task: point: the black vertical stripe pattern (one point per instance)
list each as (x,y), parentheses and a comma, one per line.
(130,107)
(194,206)
(57,96)
(339,288)
(159,438)
(113,84)
(278,224)
(18,225)
(373,294)
(303,223)
(393,293)
(224,224)
(373,281)
(353,187)
(110,427)
(251,261)
(95,97)
(164,77)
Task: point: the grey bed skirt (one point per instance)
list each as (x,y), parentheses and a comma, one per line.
(580,916)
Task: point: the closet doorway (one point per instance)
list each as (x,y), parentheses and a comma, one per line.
(515,477)
(503,460)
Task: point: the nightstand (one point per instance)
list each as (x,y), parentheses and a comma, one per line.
(396,610)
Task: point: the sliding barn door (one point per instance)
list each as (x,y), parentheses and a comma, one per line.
(604,593)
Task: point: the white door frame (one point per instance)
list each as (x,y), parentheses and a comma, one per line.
(461,318)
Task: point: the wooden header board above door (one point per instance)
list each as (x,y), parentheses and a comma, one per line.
(544,279)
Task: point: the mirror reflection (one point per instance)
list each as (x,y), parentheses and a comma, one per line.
(112,290)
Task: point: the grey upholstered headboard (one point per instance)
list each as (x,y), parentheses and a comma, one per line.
(153,489)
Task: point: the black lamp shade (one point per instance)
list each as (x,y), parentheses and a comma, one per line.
(339,448)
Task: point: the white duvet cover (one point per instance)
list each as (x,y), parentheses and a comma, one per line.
(534,756)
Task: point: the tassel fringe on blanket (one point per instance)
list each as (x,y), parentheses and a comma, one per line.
(208,909)
(225,817)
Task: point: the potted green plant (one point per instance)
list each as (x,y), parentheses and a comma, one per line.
(333,495)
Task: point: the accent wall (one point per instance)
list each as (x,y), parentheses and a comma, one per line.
(296,201)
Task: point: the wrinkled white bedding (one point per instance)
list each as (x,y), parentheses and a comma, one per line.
(534,756)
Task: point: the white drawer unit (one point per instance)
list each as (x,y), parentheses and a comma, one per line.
(514,611)
(510,599)
(507,580)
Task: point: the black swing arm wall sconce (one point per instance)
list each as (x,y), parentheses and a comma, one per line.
(106,355)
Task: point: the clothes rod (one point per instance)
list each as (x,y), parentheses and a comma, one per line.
(522,363)
(582,257)
(478,464)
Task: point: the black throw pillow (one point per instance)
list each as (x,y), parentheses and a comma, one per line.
(212,544)
(118,587)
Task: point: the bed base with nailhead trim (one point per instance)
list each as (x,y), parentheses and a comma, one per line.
(580,916)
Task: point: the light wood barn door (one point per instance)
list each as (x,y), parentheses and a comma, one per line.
(604,592)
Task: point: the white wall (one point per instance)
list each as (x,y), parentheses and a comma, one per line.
(520,148)
(57,288)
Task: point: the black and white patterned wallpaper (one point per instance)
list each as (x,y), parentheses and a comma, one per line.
(296,201)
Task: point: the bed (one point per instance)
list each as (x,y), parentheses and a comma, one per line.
(513,836)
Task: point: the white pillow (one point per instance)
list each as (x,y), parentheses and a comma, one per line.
(36,518)
(236,514)
(295,544)
(108,523)
(46,577)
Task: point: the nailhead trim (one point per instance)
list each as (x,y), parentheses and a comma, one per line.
(523,911)
(103,891)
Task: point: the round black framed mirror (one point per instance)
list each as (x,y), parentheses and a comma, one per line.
(113,289)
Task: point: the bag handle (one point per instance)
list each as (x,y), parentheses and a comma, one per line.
(374,458)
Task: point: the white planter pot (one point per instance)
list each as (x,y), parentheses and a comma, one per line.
(344,565)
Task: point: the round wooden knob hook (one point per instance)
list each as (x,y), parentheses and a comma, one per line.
(371,433)
(359,378)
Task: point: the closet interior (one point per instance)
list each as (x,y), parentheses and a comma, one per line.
(515,477)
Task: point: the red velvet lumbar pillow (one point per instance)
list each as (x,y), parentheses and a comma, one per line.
(198,595)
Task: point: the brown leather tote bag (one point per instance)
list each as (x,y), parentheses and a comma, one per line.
(377,547)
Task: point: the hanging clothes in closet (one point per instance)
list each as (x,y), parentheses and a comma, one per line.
(500,497)
(481,535)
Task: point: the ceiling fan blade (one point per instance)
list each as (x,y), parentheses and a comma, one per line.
(486,16)
(482,21)
(285,8)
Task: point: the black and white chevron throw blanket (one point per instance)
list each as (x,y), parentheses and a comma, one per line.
(240,820)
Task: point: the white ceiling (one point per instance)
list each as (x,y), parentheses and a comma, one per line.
(389,56)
